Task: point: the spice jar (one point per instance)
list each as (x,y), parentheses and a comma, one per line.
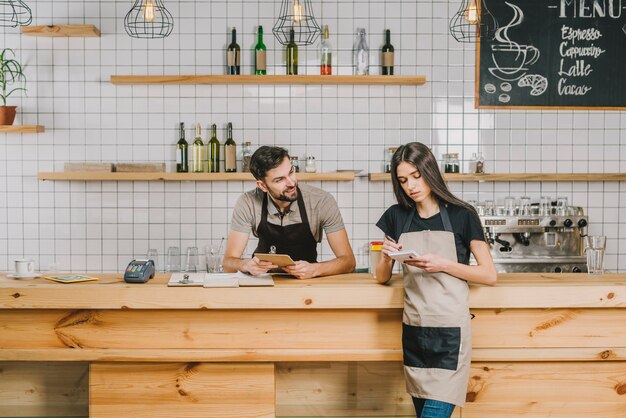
(295,163)
(451,163)
(310,166)
(376,248)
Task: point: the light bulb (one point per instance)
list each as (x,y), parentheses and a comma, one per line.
(296,11)
(148,10)
(471,13)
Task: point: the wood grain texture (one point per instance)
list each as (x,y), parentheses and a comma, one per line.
(270,79)
(506,177)
(161,176)
(25,129)
(181,389)
(82,31)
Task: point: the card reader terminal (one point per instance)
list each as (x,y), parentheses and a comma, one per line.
(139,271)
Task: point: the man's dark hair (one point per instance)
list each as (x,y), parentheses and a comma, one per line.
(265,159)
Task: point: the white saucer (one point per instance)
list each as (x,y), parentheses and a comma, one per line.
(25,276)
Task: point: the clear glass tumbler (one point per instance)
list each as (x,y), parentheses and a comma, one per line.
(595,246)
(191,260)
(173,259)
(153,255)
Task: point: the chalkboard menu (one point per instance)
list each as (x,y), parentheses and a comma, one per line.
(554,53)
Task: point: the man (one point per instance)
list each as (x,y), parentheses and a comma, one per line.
(286,218)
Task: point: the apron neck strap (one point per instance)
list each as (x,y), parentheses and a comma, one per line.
(445,218)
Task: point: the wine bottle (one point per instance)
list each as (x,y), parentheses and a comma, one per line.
(230,151)
(260,55)
(387,51)
(234,55)
(361,54)
(182,163)
(292,54)
(197,152)
(214,151)
(326,54)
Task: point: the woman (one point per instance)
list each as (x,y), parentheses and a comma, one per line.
(443,230)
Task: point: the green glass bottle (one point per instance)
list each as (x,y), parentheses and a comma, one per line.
(292,55)
(260,55)
(233,56)
(182,162)
(230,151)
(197,152)
(214,151)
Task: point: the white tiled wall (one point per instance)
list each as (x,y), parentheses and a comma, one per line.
(93,226)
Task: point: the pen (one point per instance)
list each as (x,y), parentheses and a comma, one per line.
(388,238)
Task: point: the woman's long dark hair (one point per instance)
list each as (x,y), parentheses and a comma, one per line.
(420,156)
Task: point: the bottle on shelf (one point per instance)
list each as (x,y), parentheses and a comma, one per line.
(246,156)
(387,52)
(182,161)
(295,163)
(361,54)
(214,151)
(310,166)
(388,158)
(234,55)
(230,151)
(292,54)
(197,152)
(326,65)
(260,55)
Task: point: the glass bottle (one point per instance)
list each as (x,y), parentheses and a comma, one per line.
(260,55)
(182,161)
(292,54)
(230,151)
(197,152)
(234,55)
(326,66)
(387,51)
(451,163)
(388,157)
(295,163)
(214,151)
(246,156)
(361,54)
(479,167)
(310,166)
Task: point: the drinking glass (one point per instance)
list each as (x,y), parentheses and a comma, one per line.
(595,245)
(509,205)
(191,260)
(561,205)
(490,208)
(153,255)
(173,259)
(545,206)
(524,205)
(213,259)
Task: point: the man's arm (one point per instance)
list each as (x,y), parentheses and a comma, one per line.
(233,262)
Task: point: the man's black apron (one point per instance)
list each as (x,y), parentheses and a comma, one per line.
(295,240)
(436,332)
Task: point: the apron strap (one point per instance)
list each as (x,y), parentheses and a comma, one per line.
(445,218)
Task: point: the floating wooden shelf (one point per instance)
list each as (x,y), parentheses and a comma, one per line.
(520,177)
(268,79)
(26,129)
(82,31)
(104,176)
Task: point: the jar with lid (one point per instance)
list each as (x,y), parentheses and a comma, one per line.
(376,248)
(479,163)
(451,163)
(310,166)
(388,158)
(295,163)
(246,156)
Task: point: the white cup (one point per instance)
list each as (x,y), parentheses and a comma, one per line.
(24,267)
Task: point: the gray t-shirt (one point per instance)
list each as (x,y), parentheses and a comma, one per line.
(321,209)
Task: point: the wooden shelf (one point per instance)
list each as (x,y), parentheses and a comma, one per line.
(106,176)
(82,31)
(26,129)
(269,79)
(520,177)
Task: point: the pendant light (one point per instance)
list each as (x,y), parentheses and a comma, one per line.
(296,15)
(14,13)
(148,19)
(473,21)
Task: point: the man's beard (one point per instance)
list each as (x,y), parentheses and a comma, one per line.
(284,197)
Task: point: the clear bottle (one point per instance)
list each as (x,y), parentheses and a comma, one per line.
(233,55)
(230,151)
(246,156)
(260,55)
(214,151)
(197,152)
(388,157)
(292,54)
(182,148)
(387,54)
(326,65)
(479,163)
(361,54)
(295,163)
(310,166)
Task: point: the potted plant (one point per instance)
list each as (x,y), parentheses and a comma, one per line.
(10,72)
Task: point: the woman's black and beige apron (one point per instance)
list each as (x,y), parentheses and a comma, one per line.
(436,332)
(295,240)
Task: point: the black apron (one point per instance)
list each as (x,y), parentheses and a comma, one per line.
(295,240)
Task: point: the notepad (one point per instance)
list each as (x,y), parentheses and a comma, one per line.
(237,279)
(191,279)
(71,278)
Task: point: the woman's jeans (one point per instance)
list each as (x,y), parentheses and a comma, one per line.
(428,408)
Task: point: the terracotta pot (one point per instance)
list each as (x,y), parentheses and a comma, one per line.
(7,115)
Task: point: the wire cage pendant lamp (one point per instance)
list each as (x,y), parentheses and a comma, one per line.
(148,19)
(296,15)
(14,13)
(473,21)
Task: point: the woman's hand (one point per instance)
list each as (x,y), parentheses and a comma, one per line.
(389,245)
(430,263)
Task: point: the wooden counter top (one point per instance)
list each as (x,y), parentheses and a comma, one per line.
(350,291)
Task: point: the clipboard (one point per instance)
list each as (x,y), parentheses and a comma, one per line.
(281,260)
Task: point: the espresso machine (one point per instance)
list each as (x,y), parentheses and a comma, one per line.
(546,236)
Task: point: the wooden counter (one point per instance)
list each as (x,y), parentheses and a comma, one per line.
(544,345)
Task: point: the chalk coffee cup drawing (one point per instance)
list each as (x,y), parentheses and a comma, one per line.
(24,267)
(512,60)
